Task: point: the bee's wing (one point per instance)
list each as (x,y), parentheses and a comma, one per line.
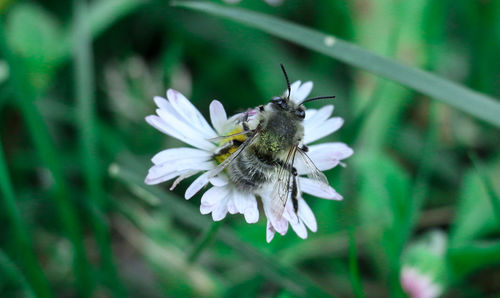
(314,173)
(202,180)
(282,190)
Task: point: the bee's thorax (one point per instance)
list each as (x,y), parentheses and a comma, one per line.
(280,131)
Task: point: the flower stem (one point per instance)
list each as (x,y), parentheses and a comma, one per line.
(204,241)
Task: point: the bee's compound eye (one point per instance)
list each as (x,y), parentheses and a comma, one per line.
(280,102)
(300,113)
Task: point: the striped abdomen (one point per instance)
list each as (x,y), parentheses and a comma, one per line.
(251,170)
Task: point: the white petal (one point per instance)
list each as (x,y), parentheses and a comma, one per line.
(300,229)
(218,116)
(165,172)
(219,180)
(181,177)
(307,216)
(220,210)
(161,102)
(246,204)
(168,128)
(156,178)
(294,87)
(279,224)
(174,154)
(157,171)
(302,92)
(289,213)
(242,201)
(336,150)
(186,130)
(179,122)
(309,114)
(314,118)
(206,209)
(325,156)
(214,195)
(252,213)
(269,232)
(321,191)
(197,185)
(231,207)
(189,112)
(329,126)
(201,181)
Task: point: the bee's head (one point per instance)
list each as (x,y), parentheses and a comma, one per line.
(281,103)
(284,104)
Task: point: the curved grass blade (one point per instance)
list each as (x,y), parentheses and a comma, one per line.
(469,101)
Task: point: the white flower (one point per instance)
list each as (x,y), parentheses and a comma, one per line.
(418,285)
(178,118)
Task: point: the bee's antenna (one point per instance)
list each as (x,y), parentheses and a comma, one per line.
(315,98)
(287,81)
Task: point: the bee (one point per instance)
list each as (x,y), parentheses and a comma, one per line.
(263,151)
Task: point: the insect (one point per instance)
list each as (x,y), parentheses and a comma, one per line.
(263,151)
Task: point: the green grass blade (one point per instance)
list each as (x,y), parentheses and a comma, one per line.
(24,246)
(87,127)
(355,277)
(488,185)
(469,101)
(24,96)
(472,256)
(85,90)
(11,271)
(282,275)
(204,241)
(101,15)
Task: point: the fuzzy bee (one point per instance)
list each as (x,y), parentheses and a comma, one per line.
(264,149)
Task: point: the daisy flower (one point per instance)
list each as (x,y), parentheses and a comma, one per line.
(177,117)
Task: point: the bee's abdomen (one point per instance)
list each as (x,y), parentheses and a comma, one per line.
(249,172)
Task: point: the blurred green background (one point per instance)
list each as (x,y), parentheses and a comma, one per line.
(77,79)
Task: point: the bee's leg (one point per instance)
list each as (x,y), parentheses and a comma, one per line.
(295,190)
(245,126)
(244,122)
(304,148)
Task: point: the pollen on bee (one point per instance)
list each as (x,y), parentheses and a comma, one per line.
(228,149)
(221,157)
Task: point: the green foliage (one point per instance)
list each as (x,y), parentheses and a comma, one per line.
(77,79)
(384,209)
(475,216)
(35,36)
